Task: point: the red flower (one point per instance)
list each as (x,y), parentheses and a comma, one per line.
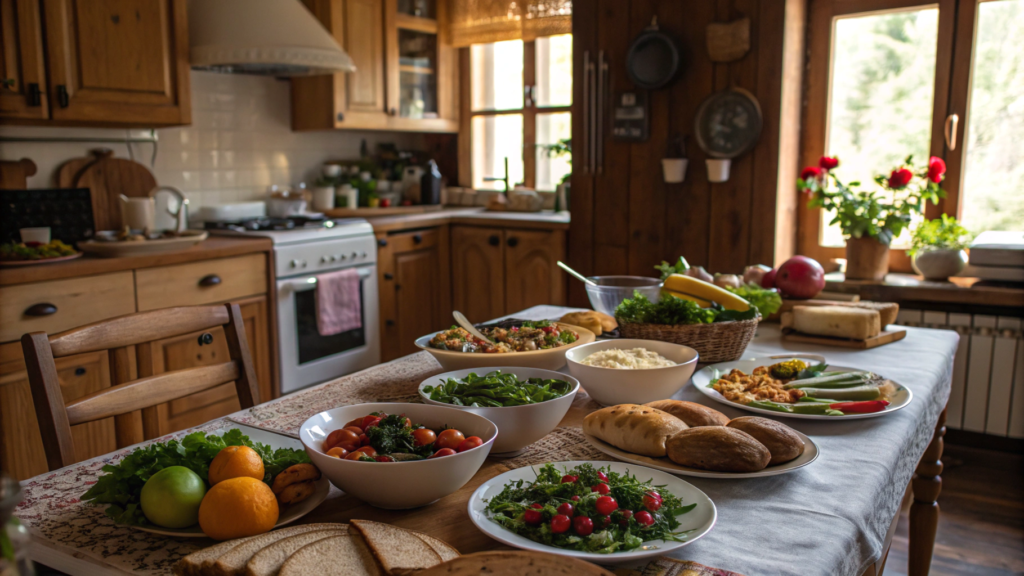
(900,178)
(810,173)
(828,162)
(936,169)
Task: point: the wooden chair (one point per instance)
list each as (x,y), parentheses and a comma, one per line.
(131,389)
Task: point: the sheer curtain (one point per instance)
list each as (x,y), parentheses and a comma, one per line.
(484,21)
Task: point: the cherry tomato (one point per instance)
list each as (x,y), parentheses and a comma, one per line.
(368,450)
(358,431)
(569,479)
(423,436)
(601,488)
(537,506)
(355,455)
(385,459)
(407,422)
(370,421)
(604,521)
(560,523)
(364,440)
(626,515)
(337,452)
(470,443)
(533,517)
(450,438)
(442,453)
(358,423)
(566,508)
(652,501)
(346,439)
(575,498)
(602,476)
(644,518)
(605,505)
(581,524)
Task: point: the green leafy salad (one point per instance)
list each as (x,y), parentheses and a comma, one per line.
(767,301)
(589,509)
(496,389)
(122,484)
(672,310)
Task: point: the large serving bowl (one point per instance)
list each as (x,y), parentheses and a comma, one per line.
(612,290)
(610,386)
(551,359)
(519,426)
(400,485)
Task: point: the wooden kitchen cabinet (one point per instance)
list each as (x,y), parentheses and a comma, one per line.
(532,275)
(406,78)
(110,63)
(22,69)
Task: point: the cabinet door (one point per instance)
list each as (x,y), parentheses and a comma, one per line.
(21,447)
(478,272)
(118,61)
(187,352)
(532,276)
(23,93)
(364,29)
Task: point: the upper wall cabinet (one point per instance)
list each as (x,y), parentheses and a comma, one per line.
(110,63)
(406,74)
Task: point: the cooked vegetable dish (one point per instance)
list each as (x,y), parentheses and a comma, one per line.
(35,251)
(496,389)
(527,337)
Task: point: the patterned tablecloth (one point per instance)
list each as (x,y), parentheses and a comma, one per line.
(828,518)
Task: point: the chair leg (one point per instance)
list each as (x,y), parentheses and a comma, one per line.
(924,512)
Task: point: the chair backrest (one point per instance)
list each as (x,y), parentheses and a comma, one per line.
(135,390)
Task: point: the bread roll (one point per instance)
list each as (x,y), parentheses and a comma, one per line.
(633,428)
(691,413)
(584,320)
(718,448)
(782,442)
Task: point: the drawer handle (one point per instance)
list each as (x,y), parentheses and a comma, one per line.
(44,309)
(62,96)
(79,371)
(513,242)
(417,238)
(389,276)
(494,240)
(209,280)
(205,338)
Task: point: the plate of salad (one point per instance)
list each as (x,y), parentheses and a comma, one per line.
(801,386)
(596,511)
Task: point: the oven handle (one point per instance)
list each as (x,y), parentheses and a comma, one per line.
(309,282)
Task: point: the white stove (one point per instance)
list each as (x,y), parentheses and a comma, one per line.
(303,249)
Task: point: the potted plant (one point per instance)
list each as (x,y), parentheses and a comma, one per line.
(937,248)
(557,150)
(871,219)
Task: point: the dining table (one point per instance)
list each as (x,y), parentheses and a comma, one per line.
(833,517)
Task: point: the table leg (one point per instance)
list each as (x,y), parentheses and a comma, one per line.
(924,511)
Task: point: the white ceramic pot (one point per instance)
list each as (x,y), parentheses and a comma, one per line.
(939,264)
(718,170)
(611,386)
(323,198)
(674,169)
(519,426)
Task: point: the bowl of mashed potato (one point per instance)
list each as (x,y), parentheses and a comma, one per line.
(627,371)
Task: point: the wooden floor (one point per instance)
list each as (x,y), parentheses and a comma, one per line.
(981,523)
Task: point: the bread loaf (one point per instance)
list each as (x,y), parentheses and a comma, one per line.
(691,413)
(633,428)
(718,448)
(782,442)
(834,321)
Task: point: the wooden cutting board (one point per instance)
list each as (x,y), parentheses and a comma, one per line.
(107,178)
(884,337)
(14,173)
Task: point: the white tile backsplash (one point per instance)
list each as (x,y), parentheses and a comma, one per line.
(239,143)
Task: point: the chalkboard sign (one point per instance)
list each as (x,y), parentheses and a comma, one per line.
(67,211)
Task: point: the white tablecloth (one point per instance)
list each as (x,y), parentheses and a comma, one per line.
(831,517)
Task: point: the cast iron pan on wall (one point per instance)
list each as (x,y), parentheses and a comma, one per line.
(654,58)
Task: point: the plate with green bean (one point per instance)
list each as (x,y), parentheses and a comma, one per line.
(801,386)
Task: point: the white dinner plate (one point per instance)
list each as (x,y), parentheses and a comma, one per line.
(698,521)
(703,377)
(288,514)
(810,454)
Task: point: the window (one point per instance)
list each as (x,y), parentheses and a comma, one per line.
(912,78)
(520,101)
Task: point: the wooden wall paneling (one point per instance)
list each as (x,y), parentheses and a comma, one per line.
(581,201)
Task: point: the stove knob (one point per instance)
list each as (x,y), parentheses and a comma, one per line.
(334,258)
(302,263)
(355,255)
(342,257)
(294,263)
(323,259)
(362,255)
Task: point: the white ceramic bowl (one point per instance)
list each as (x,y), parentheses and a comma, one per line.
(518,426)
(611,386)
(550,359)
(400,485)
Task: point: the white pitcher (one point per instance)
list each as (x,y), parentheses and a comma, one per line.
(138,213)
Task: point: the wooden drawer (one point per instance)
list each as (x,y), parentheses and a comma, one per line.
(414,240)
(78,301)
(194,284)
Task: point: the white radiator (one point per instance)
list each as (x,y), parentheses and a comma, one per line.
(988,372)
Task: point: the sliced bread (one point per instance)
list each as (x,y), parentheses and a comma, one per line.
(335,556)
(268,562)
(515,563)
(232,562)
(192,565)
(396,548)
(445,550)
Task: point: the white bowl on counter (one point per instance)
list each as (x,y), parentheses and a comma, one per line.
(519,426)
(611,386)
(399,485)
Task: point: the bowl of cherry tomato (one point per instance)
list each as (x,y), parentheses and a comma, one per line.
(371,450)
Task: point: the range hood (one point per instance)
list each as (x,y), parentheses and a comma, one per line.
(267,37)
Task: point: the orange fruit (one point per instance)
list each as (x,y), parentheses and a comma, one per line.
(238,507)
(236,462)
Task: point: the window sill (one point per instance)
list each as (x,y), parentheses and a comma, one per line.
(905,288)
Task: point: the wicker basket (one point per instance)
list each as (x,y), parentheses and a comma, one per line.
(715,342)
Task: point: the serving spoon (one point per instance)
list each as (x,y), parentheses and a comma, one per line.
(578,276)
(461,319)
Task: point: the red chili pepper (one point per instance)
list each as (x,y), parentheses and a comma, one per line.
(864,407)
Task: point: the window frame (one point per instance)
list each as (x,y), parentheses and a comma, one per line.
(529,111)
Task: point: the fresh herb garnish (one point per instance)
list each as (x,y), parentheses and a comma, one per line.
(668,310)
(667,269)
(391,436)
(496,389)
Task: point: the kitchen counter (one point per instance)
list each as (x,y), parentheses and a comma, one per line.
(88,265)
(905,288)
(477,216)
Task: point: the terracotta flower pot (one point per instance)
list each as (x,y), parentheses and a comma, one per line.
(866,259)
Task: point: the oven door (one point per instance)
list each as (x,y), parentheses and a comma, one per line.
(308,358)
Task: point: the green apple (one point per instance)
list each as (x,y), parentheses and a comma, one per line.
(171,497)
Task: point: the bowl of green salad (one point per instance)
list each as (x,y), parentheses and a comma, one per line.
(524,403)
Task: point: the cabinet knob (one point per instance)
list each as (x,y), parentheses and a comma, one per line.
(79,371)
(341,117)
(43,309)
(62,96)
(513,242)
(205,338)
(389,322)
(209,280)
(417,238)
(35,96)
(393,112)
(389,276)
(382,242)
(494,240)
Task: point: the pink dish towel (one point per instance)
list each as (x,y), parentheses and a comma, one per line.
(338,306)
